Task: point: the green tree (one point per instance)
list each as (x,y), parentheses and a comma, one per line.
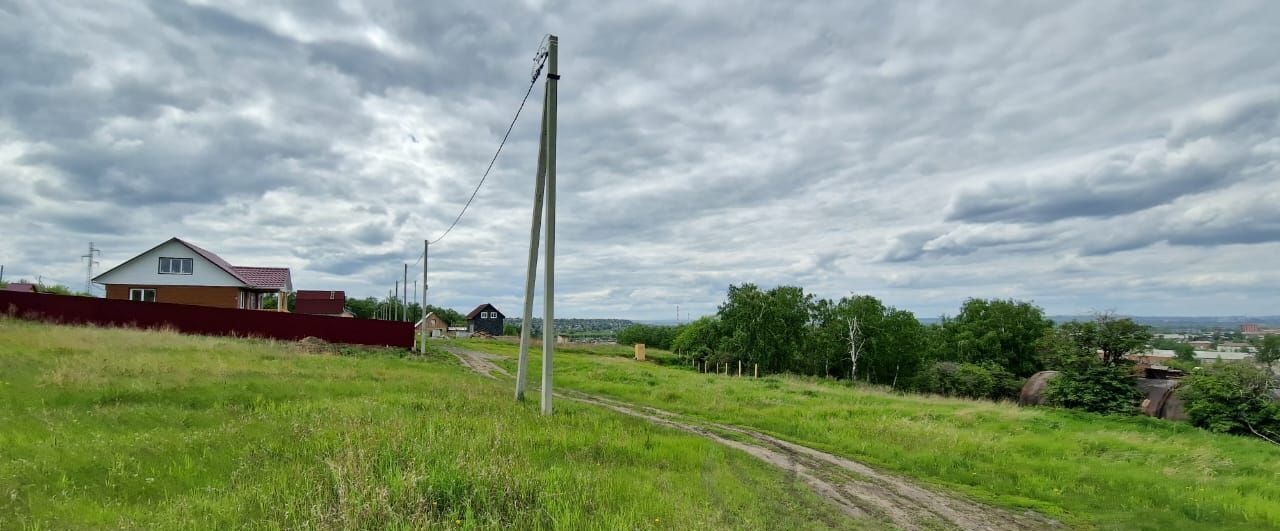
(1232,398)
(1106,340)
(1003,332)
(1268,351)
(1091,357)
(764,327)
(698,340)
(890,342)
(1184,352)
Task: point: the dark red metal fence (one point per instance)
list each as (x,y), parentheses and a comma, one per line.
(202,320)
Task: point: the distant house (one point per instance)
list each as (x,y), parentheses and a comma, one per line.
(313,302)
(179,272)
(485,318)
(1234,347)
(22,286)
(436,327)
(1154,356)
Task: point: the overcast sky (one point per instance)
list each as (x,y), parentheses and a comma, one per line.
(1088,156)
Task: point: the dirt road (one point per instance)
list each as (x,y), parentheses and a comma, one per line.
(857,489)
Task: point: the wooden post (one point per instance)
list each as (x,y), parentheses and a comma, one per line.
(757,370)
(739,368)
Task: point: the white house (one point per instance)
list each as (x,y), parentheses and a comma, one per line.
(179,272)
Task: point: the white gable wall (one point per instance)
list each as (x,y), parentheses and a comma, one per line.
(145,270)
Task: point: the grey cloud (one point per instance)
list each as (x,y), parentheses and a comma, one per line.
(963,240)
(1246,216)
(879,148)
(342,262)
(1211,149)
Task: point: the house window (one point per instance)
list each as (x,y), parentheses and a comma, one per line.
(144,295)
(175,266)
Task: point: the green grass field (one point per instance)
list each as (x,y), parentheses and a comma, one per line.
(110,428)
(1087,470)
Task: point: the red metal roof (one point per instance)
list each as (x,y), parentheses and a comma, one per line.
(264,277)
(217,260)
(20,286)
(310,294)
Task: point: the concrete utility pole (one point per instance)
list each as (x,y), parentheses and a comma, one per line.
(549,227)
(405,314)
(544,203)
(535,231)
(88,273)
(426,246)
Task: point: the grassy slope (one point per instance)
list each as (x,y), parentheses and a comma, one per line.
(119,428)
(1117,473)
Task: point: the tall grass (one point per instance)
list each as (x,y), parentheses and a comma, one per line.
(144,429)
(1090,470)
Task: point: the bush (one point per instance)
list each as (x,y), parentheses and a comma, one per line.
(1100,389)
(652,336)
(956,379)
(1006,384)
(1232,398)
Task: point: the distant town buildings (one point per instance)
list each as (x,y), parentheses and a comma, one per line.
(1256,330)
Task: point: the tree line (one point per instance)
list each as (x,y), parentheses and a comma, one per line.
(859,337)
(986,350)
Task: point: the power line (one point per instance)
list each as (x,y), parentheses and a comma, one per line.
(541,59)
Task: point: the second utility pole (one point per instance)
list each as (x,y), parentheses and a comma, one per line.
(426,246)
(544,197)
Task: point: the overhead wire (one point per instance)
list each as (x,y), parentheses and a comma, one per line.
(540,61)
(537,72)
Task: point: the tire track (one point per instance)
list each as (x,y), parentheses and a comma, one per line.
(859,491)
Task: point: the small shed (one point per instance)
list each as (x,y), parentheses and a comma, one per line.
(21,286)
(485,319)
(314,302)
(434,325)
